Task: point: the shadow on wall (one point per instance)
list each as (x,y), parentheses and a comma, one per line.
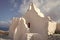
(58,28)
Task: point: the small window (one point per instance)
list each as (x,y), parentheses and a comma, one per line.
(28,25)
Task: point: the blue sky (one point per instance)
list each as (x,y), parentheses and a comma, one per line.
(9,9)
(16,8)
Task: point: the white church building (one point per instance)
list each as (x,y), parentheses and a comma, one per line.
(34,25)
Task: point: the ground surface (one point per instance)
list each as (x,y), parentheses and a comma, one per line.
(54,37)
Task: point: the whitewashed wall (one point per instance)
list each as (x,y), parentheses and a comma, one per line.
(38,22)
(21,30)
(13,26)
(52,27)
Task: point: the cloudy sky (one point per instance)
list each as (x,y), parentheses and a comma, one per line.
(8,10)
(16,8)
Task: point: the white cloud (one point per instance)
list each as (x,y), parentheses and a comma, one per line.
(46,6)
(24,6)
(52,8)
(50,5)
(4,23)
(13,4)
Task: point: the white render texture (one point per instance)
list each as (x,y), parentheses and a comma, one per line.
(38,22)
(40,25)
(21,30)
(51,27)
(13,26)
(33,36)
